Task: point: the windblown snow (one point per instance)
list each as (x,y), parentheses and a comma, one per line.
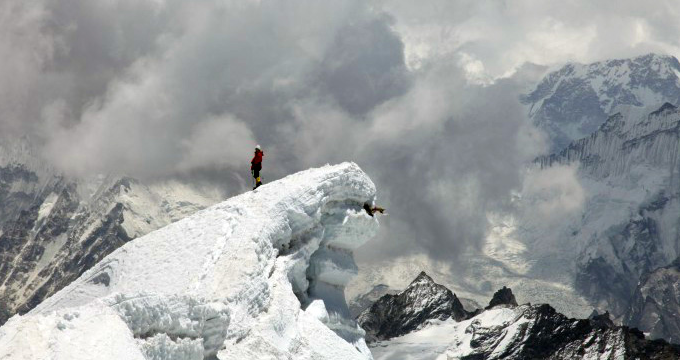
(261,275)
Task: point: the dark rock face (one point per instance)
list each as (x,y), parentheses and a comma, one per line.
(13,201)
(601,321)
(422,300)
(42,255)
(364,301)
(503,296)
(656,303)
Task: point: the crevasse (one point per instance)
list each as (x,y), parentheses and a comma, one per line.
(261,275)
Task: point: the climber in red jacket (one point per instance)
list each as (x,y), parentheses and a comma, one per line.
(256,165)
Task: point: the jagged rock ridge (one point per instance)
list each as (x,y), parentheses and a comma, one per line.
(517,332)
(504,296)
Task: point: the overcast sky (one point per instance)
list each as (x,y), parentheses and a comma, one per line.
(421,94)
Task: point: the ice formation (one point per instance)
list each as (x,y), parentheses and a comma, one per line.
(261,275)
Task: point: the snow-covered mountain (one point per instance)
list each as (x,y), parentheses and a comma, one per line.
(630,224)
(573,101)
(53,228)
(258,276)
(589,222)
(422,300)
(505,330)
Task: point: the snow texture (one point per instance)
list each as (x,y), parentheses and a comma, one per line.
(259,276)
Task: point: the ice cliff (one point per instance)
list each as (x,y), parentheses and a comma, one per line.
(260,275)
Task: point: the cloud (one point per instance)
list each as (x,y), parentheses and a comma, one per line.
(419,94)
(550,195)
(448,151)
(502,35)
(216,143)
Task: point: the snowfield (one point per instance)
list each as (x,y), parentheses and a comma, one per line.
(259,276)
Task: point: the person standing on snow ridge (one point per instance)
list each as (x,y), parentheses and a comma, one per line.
(256,165)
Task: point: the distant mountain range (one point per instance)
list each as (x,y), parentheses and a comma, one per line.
(425,321)
(622,238)
(573,101)
(53,228)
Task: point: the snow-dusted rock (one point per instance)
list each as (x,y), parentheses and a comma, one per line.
(508,331)
(421,301)
(502,297)
(523,332)
(260,275)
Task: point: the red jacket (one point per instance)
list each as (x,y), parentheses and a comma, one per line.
(257,159)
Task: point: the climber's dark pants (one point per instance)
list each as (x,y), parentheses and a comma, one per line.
(256,172)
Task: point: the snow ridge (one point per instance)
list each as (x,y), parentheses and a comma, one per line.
(259,275)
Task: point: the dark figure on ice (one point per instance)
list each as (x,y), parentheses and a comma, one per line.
(256,166)
(372,210)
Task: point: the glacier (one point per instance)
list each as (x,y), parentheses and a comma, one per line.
(261,275)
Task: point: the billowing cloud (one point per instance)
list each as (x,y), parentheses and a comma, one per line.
(499,36)
(418,94)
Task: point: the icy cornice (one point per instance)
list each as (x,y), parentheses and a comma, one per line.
(230,281)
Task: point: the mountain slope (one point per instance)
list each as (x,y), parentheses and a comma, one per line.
(630,225)
(260,275)
(575,100)
(54,228)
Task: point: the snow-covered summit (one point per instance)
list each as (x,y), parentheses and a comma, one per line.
(572,102)
(260,275)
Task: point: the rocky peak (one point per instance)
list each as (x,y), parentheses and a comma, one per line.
(529,332)
(422,280)
(503,296)
(422,300)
